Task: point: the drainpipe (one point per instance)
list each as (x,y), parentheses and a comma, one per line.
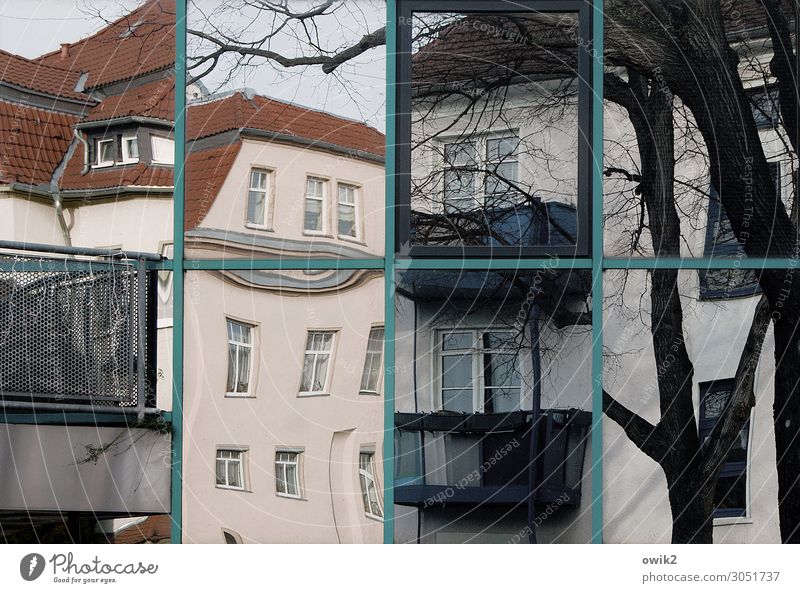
(61,222)
(533,476)
(80,138)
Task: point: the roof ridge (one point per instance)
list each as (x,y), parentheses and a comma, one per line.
(102,30)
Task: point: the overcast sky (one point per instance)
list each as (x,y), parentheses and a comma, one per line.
(33,27)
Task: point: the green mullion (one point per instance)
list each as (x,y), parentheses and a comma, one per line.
(389,278)
(597,273)
(176,508)
(701,263)
(493,264)
(284,264)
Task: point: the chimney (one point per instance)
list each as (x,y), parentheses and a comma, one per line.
(64,51)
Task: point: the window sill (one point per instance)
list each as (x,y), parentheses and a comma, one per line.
(240,396)
(291,496)
(103,165)
(130,162)
(233,488)
(321,234)
(722,521)
(349,239)
(372,393)
(374,517)
(258,227)
(314,394)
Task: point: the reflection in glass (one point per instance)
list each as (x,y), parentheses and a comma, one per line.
(494,129)
(492,402)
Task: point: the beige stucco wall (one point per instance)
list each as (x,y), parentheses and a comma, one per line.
(290,165)
(330,429)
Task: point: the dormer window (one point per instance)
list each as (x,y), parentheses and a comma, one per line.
(130,149)
(163,150)
(105,153)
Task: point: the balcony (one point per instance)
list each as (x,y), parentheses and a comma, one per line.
(487,459)
(77,333)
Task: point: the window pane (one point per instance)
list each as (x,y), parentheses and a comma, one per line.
(231,368)
(313,215)
(485,112)
(456,371)
(347,220)
(256,207)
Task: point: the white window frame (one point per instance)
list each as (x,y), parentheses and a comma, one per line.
(126,157)
(155,139)
(266,191)
(482,163)
(323,205)
(240,346)
(364,478)
(356,209)
(369,359)
(280,468)
(328,371)
(242,459)
(478,371)
(101,164)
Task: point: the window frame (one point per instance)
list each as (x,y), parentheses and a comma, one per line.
(298,464)
(242,451)
(402,117)
(323,205)
(127,159)
(478,366)
(326,387)
(357,190)
(99,164)
(369,356)
(267,191)
(154,139)
(251,327)
(372,476)
(729,469)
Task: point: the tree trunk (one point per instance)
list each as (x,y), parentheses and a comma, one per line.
(692,502)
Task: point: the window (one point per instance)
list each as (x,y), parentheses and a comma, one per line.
(373,363)
(460,171)
(257,197)
(348,211)
(163,150)
(721,242)
(730,492)
(130,149)
(369,490)
(230,468)
(230,537)
(479,371)
(287,473)
(314,219)
(105,153)
(240,347)
(764,102)
(319,346)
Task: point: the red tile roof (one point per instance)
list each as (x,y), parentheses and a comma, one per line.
(237,112)
(32,143)
(154,99)
(136,44)
(206,171)
(39,77)
(155,529)
(139,174)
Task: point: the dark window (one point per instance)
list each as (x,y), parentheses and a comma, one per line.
(721,242)
(730,492)
(764,101)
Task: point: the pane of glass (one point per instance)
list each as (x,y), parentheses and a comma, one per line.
(286,312)
(331,125)
(231,368)
(494,130)
(669,352)
(320,372)
(234,474)
(220,472)
(477,352)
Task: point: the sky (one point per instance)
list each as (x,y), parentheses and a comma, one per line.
(34,27)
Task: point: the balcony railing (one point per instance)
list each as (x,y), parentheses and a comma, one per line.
(487,459)
(77,331)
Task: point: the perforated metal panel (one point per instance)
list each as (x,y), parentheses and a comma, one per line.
(69,331)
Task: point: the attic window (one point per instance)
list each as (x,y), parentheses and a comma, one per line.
(130,149)
(163,150)
(105,153)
